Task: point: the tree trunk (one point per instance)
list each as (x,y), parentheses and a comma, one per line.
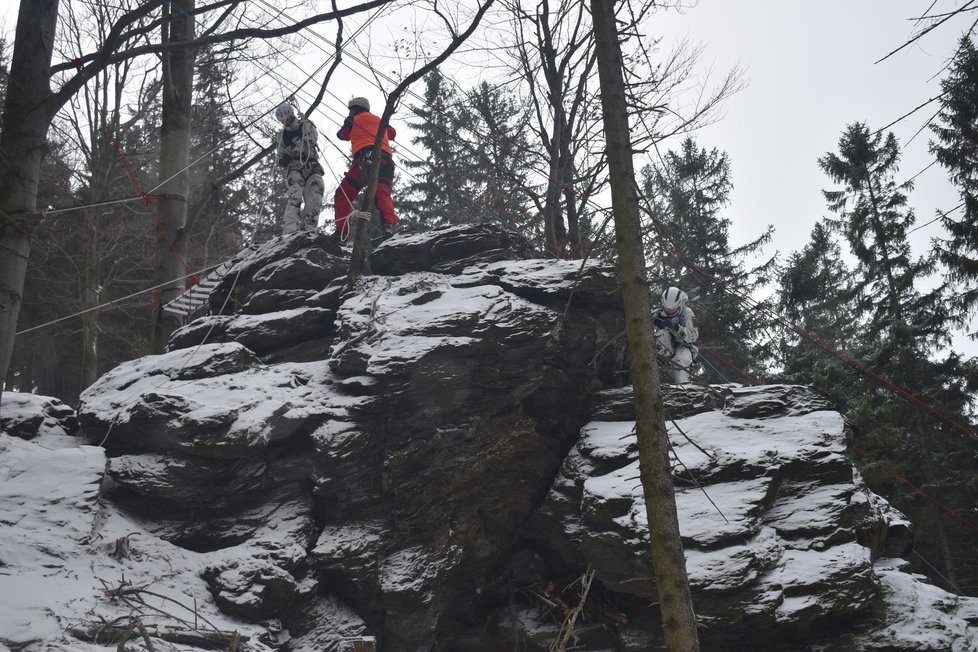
(672,583)
(573,224)
(90,293)
(178,76)
(551,204)
(24,124)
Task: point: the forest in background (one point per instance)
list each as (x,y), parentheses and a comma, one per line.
(855,313)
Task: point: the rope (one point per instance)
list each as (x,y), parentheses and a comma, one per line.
(894,474)
(783,320)
(453,184)
(114,301)
(456,185)
(937,572)
(715,370)
(716,355)
(147,200)
(207,154)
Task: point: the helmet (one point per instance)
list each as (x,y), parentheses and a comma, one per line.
(284,111)
(362,102)
(673,300)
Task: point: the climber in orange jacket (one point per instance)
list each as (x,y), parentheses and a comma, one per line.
(360,128)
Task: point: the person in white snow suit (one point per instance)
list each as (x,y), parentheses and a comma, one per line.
(298,153)
(676,332)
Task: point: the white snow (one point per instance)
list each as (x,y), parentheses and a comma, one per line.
(552,274)
(57,541)
(241,404)
(16,408)
(421,313)
(922,615)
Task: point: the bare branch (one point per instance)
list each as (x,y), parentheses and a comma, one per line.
(929,29)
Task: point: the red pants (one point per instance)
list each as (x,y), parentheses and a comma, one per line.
(354,181)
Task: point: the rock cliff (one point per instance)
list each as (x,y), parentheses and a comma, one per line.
(443,458)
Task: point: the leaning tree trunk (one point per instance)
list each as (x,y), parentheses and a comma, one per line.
(672,583)
(25,122)
(178,77)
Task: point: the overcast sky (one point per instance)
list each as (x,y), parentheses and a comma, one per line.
(810,69)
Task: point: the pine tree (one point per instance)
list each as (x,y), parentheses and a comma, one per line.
(814,292)
(439,191)
(874,221)
(895,329)
(502,156)
(956,148)
(687,193)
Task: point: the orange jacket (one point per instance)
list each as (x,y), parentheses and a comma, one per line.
(361,131)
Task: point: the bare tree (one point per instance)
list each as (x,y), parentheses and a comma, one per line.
(95,117)
(556,60)
(28,113)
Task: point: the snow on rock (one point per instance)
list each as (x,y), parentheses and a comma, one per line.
(49,500)
(774,520)
(421,320)
(920,616)
(295,261)
(767,400)
(436,459)
(62,558)
(161,404)
(551,281)
(328,625)
(449,250)
(30,415)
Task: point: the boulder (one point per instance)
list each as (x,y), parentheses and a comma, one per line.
(30,415)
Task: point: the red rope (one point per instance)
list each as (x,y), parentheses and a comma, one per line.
(148,202)
(825,345)
(722,359)
(917,489)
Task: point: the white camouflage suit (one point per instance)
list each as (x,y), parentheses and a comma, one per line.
(675,336)
(299,155)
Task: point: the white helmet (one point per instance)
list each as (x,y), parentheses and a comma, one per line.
(673,300)
(284,111)
(362,102)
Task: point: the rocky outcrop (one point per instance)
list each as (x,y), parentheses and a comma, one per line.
(442,456)
(775,524)
(30,415)
(423,437)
